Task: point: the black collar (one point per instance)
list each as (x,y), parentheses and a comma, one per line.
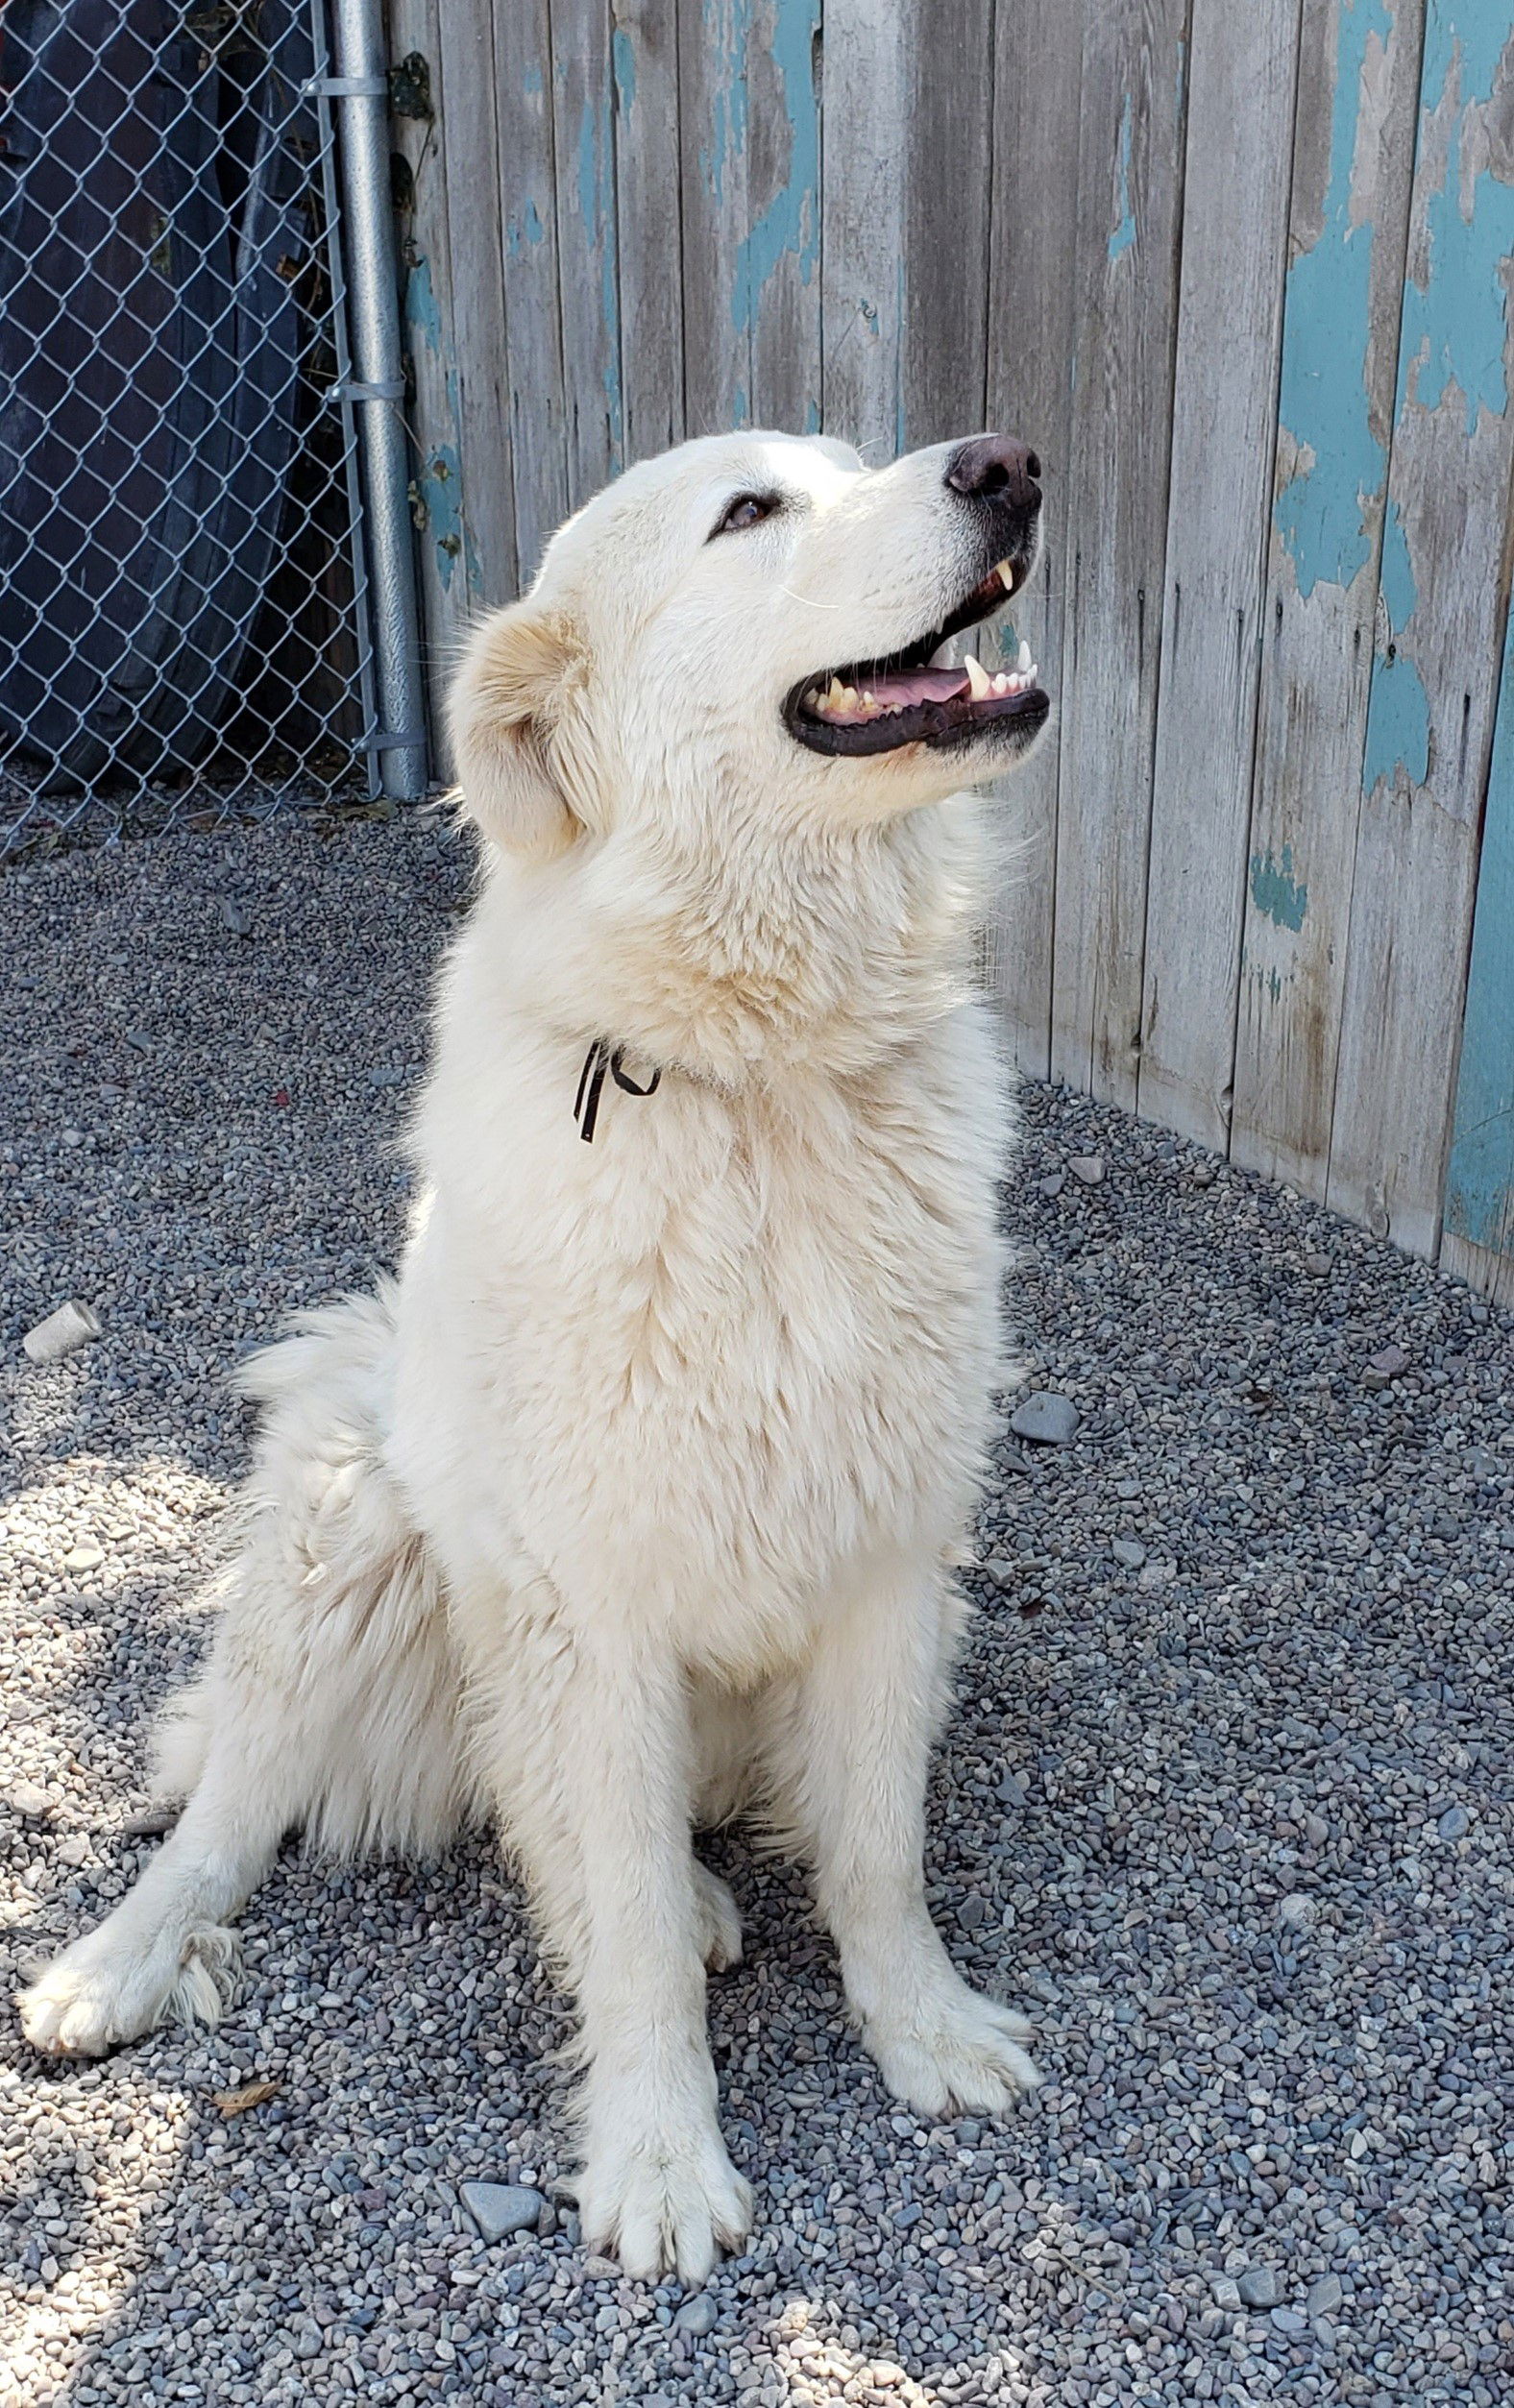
(600,1058)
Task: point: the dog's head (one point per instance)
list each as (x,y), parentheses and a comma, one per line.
(755,621)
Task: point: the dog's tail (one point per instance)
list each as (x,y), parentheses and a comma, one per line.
(333,1669)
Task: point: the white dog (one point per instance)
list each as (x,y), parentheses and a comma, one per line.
(629,1504)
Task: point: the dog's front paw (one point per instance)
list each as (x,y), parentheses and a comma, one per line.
(952,2052)
(664,2198)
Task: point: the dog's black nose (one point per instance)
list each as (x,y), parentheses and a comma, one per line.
(995,467)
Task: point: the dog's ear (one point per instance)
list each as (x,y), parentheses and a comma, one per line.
(507,711)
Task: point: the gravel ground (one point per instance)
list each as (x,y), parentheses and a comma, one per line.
(1228,1799)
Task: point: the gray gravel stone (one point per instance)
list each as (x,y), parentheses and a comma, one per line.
(1132,1783)
(1454,1823)
(1325,2296)
(500,2208)
(1050,1420)
(698,2316)
(1259,2287)
(1087,1168)
(28,1800)
(1130,1552)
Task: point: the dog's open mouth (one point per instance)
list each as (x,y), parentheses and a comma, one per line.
(908,698)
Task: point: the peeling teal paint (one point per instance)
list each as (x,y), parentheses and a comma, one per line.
(596,207)
(531,82)
(1454,324)
(1454,330)
(812,417)
(727,27)
(440,491)
(1123,233)
(1480,1179)
(517,236)
(421,311)
(437,494)
(1398,722)
(1275,890)
(624,57)
(1323,516)
(743,409)
(790,226)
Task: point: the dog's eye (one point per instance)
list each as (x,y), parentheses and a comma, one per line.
(747,510)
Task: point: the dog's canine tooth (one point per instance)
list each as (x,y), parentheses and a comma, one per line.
(1005,570)
(1022,659)
(978,684)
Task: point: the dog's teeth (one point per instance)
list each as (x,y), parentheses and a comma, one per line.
(1022,659)
(978,684)
(1006,574)
(1001,684)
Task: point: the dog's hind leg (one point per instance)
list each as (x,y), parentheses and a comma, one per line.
(848,1751)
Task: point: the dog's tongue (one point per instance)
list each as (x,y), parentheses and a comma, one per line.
(921,685)
(895,694)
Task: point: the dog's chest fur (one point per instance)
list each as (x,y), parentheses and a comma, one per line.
(733,1344)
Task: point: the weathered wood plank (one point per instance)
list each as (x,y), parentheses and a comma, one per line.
(1353,151)
(427,325)
(1235,225)
(948,125)
(469,135)
(1434,673)
(1129,207)
(904,296)
(1478,1239)
(1032,282)
(749,128)
(863,250)
(588,249)
(528,206)
(644,59)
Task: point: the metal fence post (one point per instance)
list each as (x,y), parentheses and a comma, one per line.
(360,87)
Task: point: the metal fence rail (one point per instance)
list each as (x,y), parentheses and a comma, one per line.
(192,464)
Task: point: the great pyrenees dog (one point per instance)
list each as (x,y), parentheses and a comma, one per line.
(631,1503)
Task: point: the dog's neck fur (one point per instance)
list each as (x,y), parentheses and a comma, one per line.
(688,958)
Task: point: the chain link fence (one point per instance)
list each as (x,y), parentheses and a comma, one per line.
(190,627)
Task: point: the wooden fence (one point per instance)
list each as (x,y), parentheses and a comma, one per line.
(1241,274)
